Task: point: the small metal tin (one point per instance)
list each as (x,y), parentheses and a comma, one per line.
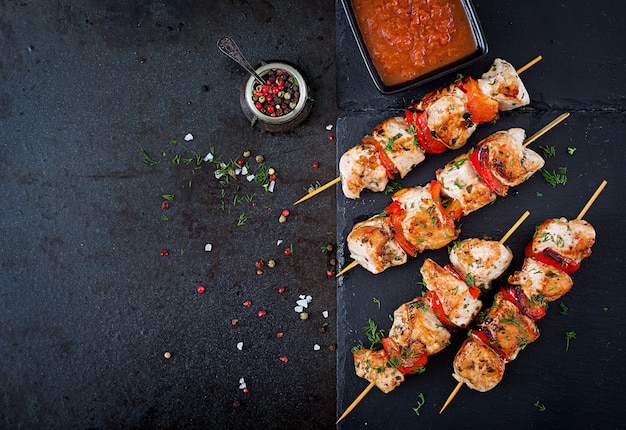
(279,123)
(479,37)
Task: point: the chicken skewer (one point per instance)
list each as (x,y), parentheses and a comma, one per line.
(420,218)
(540,280)
(419,322)
(443,119)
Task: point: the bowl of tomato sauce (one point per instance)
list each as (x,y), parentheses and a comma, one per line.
(407,43)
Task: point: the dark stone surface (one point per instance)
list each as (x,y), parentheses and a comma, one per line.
(582,45)
(88,307)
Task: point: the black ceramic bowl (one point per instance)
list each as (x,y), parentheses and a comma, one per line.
(446,68)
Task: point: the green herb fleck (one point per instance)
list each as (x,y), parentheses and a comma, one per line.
(242,220)
(540,406)
(147,160)
(377,301)
(374,335)
(420,403)
(564,308)
(555,178)
(569,335)
(548,151)
(571,150)
(168,197)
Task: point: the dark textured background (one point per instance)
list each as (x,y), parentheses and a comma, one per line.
(88,306)
(582,44)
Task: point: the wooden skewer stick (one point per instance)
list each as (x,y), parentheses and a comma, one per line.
(545,129)
(371,385)
(319,190)
(591,200)
(579,217)
(348,267)
(356,401)
(338,179)
(527,142)
(529,64)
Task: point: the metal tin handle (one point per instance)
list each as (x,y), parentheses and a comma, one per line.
(230,49)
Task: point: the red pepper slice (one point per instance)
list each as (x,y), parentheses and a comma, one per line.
(394,210)
(453,210)
(410,359)
(533,309)
(475,292)
(483,336)
(479,158)
(437,308)
(427,141)
(482,107)
(552,258)
(389,166)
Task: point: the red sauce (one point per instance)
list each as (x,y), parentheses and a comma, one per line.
(409,38)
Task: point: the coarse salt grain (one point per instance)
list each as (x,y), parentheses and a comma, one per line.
(325,313)
(316,347)
(298,309)
(240,346)
(188,137)
(208,247)
(208,157)
(242,383)
(250,178)
(278,242)
(244,170)
(329,127)
(270,188)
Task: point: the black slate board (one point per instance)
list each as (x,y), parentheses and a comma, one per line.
(581,387)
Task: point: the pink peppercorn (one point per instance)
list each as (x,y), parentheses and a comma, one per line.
(284,359)
(279,334)
(261,313)
(285,212)
(200,289)
(287,251)
(247,303)
(315,165)
(165,206)
(281,289)
(164,253)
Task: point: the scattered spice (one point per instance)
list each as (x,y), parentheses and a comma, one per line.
(315,165)
(247,303)
(164,253)
(167,355)
(304,315)
(285,212)
(261,313)
(282,219)
(281,289)
(259,264)
(279,95)
(234,321)
(284,359)
(246,154)
(279,334)
(200,289)
(271,264)
(165,206)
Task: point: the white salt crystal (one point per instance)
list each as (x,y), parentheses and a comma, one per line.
(208,157)
(298,309)
(188,137)
(325,313)
(208,247)
(240,346)
(316,347)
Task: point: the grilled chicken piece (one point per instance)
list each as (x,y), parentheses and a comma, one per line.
(478,365)
(540,281)
(571,239)
(423,224)
(399,145)
(416,320)
(448,118)
(360,169)
(371,244)
(374,366)
(508,329)
(480,261)
(460,181)
(509,160)
(459,306)
(502,83)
